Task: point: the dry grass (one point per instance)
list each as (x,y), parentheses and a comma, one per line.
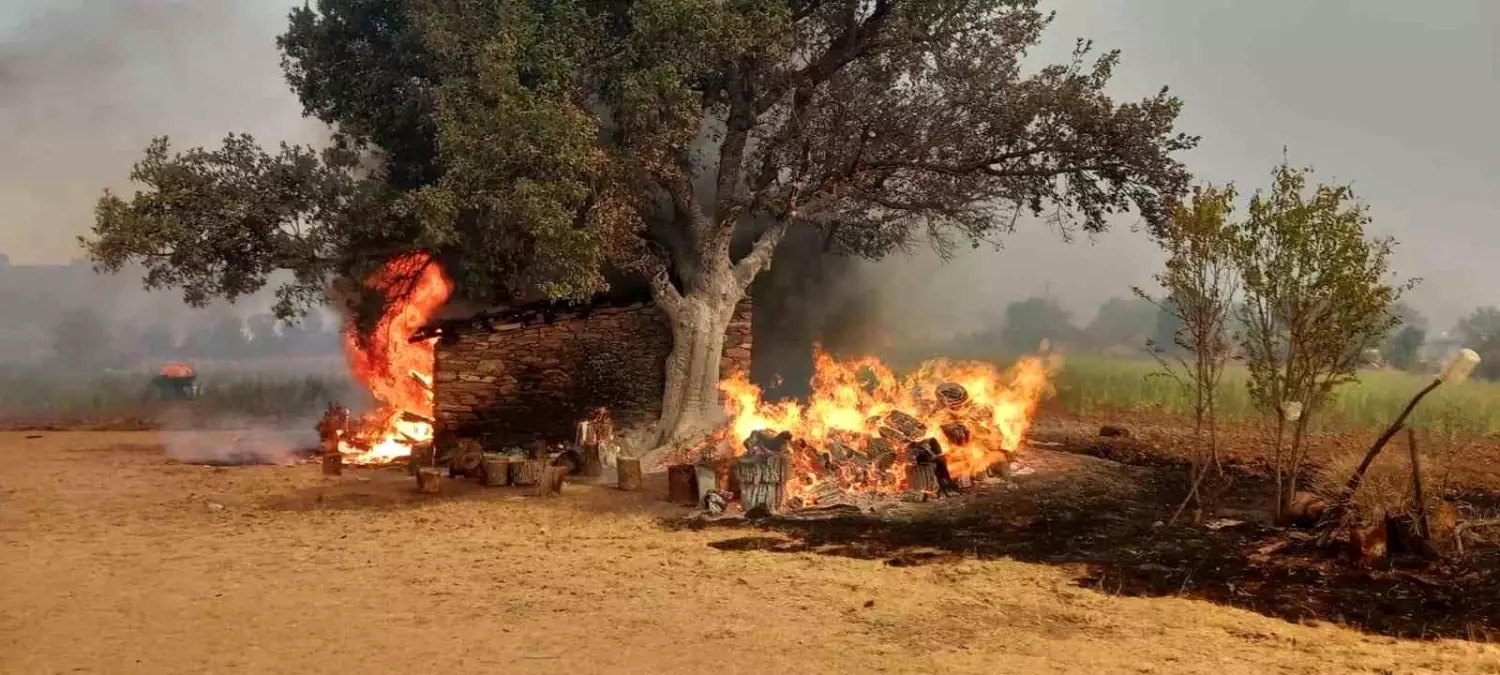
(114,561)
(1387,487)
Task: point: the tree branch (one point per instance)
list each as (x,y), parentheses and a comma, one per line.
(666,296)
(850,45)
(759,257)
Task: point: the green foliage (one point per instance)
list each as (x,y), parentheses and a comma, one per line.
(1316,287)
(1480,331)
(1030,321)
(1199,279)
(1403,349)
(1200,283)
(1123,323)
(533,146)
(223,397)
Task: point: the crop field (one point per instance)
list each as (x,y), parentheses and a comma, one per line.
(1086,386)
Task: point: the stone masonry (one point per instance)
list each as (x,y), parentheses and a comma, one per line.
(535,378)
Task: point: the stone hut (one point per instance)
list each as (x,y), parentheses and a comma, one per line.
(513,375)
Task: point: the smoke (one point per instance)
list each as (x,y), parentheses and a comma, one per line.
(247,441)
(85,84)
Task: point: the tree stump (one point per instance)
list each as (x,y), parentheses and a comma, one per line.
(527,471)
(429,479)
(551,481)
(681,484)
(497,470)
(422,455)
(467,460)
(593,461)
(762,479)
(922,478)
(629,470)
(333,463)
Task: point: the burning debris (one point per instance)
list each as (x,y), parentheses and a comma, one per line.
(396,371)
(864,434)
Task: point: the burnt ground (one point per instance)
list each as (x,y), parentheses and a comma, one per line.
(1107,518)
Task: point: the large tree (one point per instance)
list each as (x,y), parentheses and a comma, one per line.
(547,148)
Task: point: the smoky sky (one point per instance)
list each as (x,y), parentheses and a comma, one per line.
(1400,98)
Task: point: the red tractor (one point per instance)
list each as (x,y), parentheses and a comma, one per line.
(175,382)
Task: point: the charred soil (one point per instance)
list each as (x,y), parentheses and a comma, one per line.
(114,559)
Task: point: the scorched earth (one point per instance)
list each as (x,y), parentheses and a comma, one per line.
(113,560)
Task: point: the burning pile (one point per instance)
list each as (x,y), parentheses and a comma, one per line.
(866,431)
(396,371)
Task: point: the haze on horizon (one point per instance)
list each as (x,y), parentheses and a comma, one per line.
(1391,95)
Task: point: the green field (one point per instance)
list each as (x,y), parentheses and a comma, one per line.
(31,395)
(1085,385)
(1089,385)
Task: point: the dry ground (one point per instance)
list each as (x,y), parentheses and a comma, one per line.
(113,560)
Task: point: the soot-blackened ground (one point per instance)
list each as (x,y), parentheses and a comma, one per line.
(1107,518)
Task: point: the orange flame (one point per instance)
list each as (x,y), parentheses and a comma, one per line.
(396,371)
(838,432)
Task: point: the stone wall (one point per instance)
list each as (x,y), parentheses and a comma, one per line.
(535,379)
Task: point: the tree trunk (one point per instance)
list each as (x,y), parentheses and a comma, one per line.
(692,397)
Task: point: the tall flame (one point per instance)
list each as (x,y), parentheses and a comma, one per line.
(396,371)
(851,405)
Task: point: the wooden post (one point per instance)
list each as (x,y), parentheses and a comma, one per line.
(629,469)
(1374,451)
(762,479)
(429,479)
(527,471)
(681,488)
(551,481)
(497,470)
(1423,529)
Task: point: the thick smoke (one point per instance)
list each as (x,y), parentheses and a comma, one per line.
(84,86)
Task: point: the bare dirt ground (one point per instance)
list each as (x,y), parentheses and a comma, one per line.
(114,560)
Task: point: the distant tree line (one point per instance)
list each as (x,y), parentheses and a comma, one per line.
(1133,327)
(82,339)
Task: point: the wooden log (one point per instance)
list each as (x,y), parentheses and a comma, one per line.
(497,470)
(593,461)
(527,471)
(705,480)
(682,484)
(922,478)
(629,469)
(333,463)
(551,481)
(762,479)
(422,455)
(429,479)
